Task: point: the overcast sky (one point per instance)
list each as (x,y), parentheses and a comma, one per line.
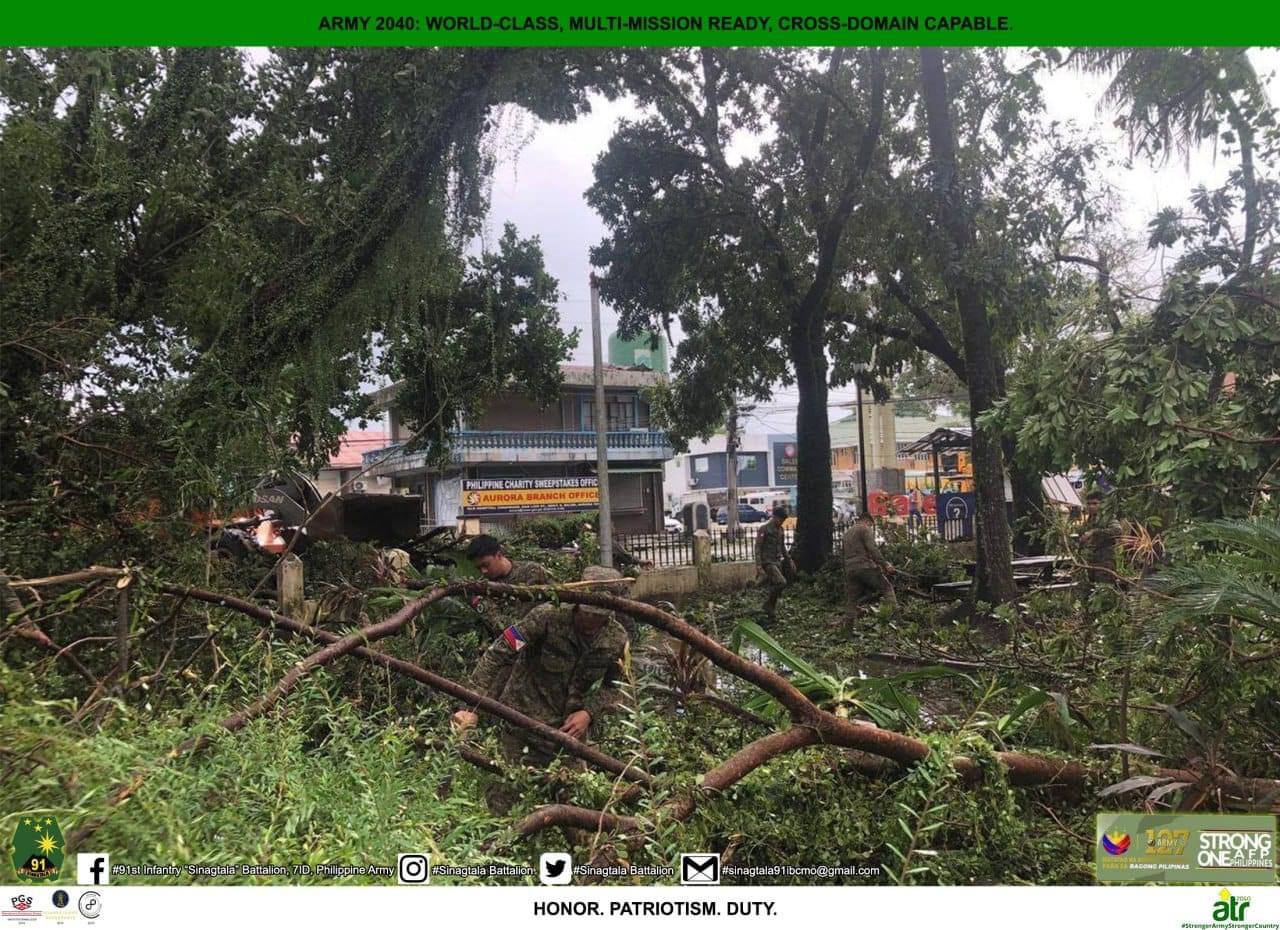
(540,188)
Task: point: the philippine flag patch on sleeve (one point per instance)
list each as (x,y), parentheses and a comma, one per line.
(513,638)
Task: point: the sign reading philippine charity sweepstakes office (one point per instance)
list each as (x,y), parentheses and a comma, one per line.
(482,497)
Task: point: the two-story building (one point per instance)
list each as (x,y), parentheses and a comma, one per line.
(521,459)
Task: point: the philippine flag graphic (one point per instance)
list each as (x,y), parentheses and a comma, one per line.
(1116,844)
(513,638)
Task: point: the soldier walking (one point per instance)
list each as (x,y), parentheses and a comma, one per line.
(774,565)
(866,571)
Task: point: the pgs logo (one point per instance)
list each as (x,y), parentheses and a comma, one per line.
(1230,907)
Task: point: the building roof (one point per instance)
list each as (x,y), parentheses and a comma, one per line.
(944,437)
(354,444)
(574,376)
(614,375)
(844,431)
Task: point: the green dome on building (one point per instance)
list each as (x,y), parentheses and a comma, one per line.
(647,350)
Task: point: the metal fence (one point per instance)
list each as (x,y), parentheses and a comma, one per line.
(671,550)
(664,550)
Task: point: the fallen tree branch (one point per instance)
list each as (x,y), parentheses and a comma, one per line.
(465,752)
(436,682)
(1023,769)
(236,721)
(726,774)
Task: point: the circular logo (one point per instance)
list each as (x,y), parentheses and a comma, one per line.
(91,904)
(60,898)
(1116,844)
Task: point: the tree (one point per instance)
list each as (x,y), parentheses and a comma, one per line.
(744,250)
(1177,405)
(196,251)
(468,335)
(954,213)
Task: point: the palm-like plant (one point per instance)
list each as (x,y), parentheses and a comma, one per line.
(1242,580)
(1171,99)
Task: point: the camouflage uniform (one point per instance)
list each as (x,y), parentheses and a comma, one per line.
(864,576)
(621,589)
(9,602)
(500,613)
(1100,549)
(551,675)
(775,565)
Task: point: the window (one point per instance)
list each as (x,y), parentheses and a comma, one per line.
(702,465)
(626,492)
(621,410)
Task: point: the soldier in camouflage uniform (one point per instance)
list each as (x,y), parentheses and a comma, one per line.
(491,561)
(774,565)
(622,588)
(865,569)
(560,664)
(1098,541)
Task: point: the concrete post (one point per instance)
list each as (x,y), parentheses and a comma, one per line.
(289,586)
(702,557)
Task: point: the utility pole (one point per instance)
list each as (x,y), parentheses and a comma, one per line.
(731,469)
(601,419)
(862,368)
(862,449)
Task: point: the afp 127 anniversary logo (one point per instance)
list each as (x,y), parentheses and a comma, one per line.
(37,849)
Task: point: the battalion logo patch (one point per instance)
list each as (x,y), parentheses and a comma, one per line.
(513,638)
(37,849)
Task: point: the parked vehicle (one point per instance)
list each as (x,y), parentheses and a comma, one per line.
(746,514)
(673,526)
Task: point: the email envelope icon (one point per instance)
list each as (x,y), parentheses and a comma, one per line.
(699,868)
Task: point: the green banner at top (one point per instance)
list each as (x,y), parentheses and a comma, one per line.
(540,23)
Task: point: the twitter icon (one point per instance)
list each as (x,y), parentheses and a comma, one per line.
(555,868)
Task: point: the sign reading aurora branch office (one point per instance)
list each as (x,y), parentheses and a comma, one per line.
(485,497)
(1180,849)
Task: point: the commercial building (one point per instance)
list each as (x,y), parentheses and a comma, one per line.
(519,459)
(766,471)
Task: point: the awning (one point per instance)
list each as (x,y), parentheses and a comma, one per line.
(943,438)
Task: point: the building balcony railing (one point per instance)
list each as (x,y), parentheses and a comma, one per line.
(475,446)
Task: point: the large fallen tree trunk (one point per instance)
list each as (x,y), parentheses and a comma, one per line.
(1023,769)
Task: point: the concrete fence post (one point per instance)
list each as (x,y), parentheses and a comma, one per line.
(702,557)
(289,586)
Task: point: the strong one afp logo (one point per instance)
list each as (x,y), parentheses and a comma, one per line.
(1236,849)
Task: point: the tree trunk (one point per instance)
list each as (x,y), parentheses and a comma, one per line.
(813,454)
(1028,493)
(1028,502)
(995,581)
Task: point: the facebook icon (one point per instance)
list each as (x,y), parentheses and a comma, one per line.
(93,869)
